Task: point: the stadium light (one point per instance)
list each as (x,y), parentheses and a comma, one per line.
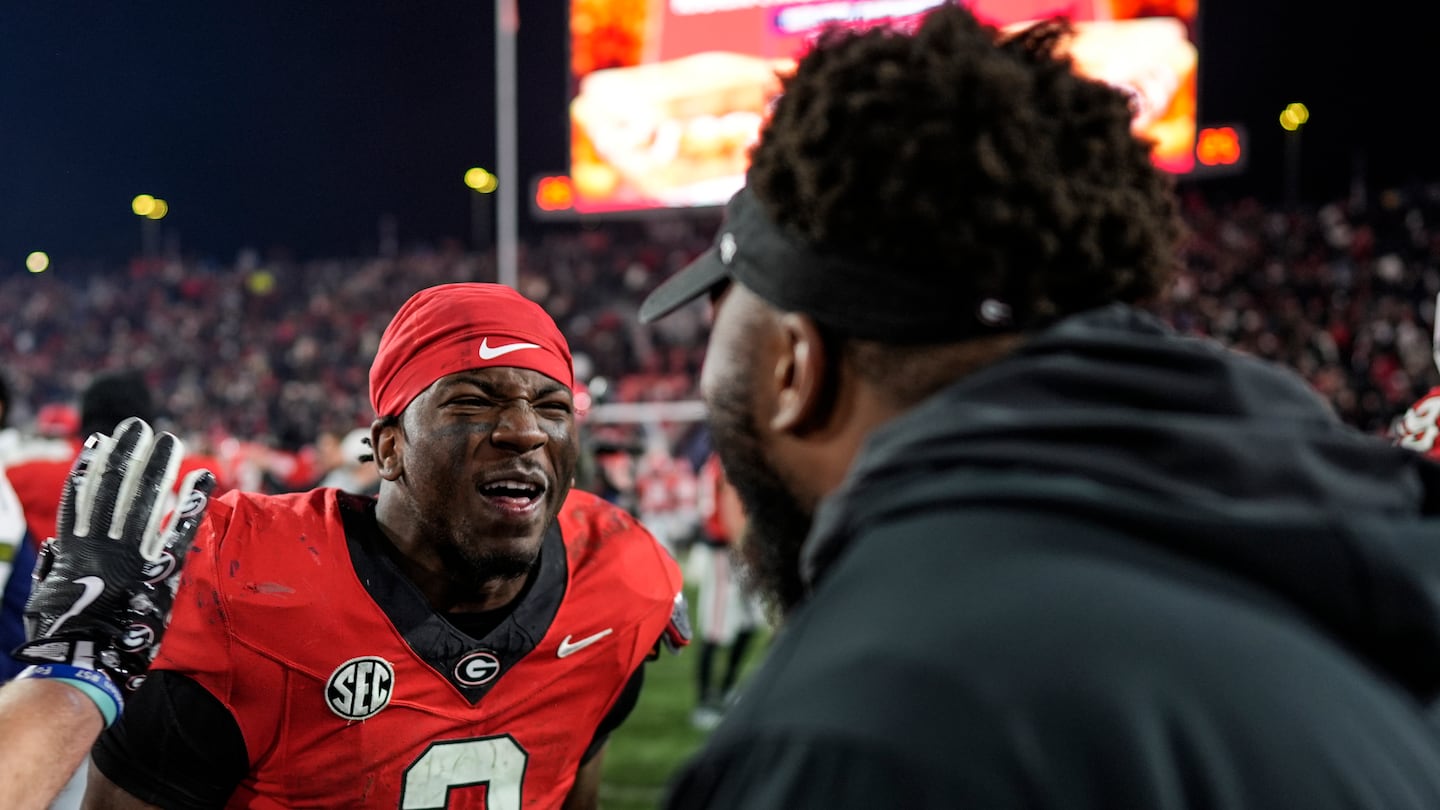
(149,206)
(37,262)
(481,180)
(151,210)
(1294,116)
(484,182)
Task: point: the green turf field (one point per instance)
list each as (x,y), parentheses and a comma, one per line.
(658,737)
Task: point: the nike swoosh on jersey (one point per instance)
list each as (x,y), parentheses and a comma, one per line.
(93,586)
(567,648)
(487,353)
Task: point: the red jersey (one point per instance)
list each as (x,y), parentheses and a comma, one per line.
(39,483)
(350,691)
(721,515)
(1419,427)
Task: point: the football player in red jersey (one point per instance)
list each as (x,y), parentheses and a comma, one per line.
(467,638)
(728,612)
(108,399)
(1419,427)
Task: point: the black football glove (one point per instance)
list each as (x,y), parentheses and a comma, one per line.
(105,584)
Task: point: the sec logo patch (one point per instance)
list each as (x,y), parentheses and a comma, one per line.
(360,687)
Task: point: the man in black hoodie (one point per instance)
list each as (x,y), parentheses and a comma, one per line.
(1033,549)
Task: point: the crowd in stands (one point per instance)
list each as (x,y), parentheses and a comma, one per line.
(271,354)
(1344,293)
(281,350)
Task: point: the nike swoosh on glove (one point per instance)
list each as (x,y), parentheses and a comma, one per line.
(105,584)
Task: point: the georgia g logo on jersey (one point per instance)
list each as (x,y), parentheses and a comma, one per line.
(360,687)
(478,668)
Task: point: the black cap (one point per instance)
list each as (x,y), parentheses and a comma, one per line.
(861,299)
(694,280)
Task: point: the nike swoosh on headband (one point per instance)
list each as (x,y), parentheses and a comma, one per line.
(487,353)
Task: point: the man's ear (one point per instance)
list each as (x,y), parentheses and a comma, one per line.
(386,440)
(802,376)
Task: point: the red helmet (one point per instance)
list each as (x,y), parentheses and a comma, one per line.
(58,421)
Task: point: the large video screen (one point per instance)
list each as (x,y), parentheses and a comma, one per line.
(669,95)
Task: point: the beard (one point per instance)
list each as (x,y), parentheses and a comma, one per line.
(472,566)
(775,523)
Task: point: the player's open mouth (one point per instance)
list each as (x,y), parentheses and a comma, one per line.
(512,495)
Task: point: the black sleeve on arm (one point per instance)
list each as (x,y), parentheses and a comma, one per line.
(175,746)
(617,714)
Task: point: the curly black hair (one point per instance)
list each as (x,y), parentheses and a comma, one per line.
(978,158)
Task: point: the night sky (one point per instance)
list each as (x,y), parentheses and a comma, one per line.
(297,125)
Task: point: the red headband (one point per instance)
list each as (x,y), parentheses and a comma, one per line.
(457,327)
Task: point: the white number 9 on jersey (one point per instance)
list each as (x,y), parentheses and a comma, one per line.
(496,762)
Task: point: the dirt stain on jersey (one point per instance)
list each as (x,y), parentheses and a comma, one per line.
(268,587)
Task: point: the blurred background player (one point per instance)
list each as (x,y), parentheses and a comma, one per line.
(348,462)
(728,615)
(608,468)
(17,561)
(1418,428)
(17,552)
(107,400)
(9,435)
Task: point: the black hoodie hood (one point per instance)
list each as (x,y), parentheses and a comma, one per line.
(1225,459)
